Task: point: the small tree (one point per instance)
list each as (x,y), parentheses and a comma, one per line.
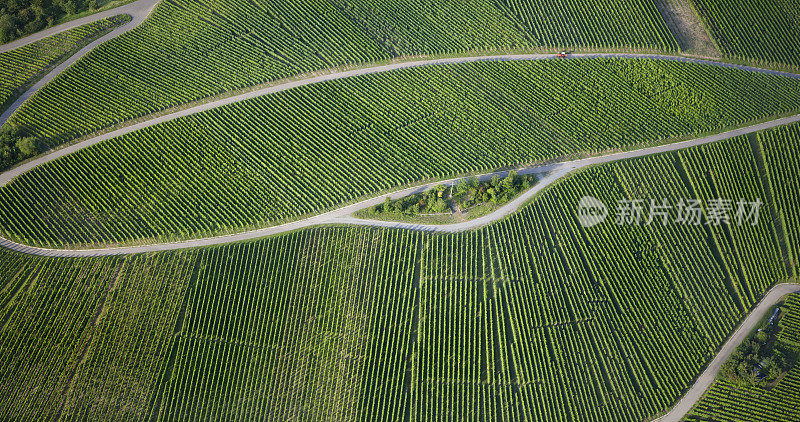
(27,147)
(462,186)
(387,205)
(495,181)
(508,182)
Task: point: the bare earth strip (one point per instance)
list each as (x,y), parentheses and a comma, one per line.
(687,28)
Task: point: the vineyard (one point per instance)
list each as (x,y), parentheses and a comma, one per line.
(534,317)
(22,66)
(301,151)
(189,50)
(763,31)
(726,401)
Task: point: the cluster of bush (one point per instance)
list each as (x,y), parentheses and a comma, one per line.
(15,148)
(19,18)
(463,195)
(760,360)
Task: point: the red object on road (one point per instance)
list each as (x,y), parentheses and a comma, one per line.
(562,54)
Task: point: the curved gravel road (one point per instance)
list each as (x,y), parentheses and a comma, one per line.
(138,11)
(708,376)
(344,215)
(7,176)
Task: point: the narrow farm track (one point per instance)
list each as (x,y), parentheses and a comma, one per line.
(138,11)
(706,379)
(7,176)
(344,215)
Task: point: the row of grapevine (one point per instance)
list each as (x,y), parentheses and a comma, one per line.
(780,148)
(729,171)
(725,401)
(21,66)
(760,31)
(87,339)
(410,28)
(275,158)
(629,23)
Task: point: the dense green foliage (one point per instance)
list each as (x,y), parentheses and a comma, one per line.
(20,18)
(730,401)
(764,31)
(188,50)
(534,317)
(760,360)
(300,151)
(461,196)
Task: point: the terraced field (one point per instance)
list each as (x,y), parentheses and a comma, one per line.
(189,50)
(253,163)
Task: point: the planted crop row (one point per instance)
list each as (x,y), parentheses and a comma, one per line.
(763,31)
(300,151)
(629,23)
(308,326)
(780,148)
(23,65)
(730,171)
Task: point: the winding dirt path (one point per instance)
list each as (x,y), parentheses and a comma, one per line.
(707,378)
(344,215)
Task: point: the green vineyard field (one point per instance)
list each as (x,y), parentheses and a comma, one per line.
(275,158)
(564,24)
(189,50)
(761,31)
(534,317)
